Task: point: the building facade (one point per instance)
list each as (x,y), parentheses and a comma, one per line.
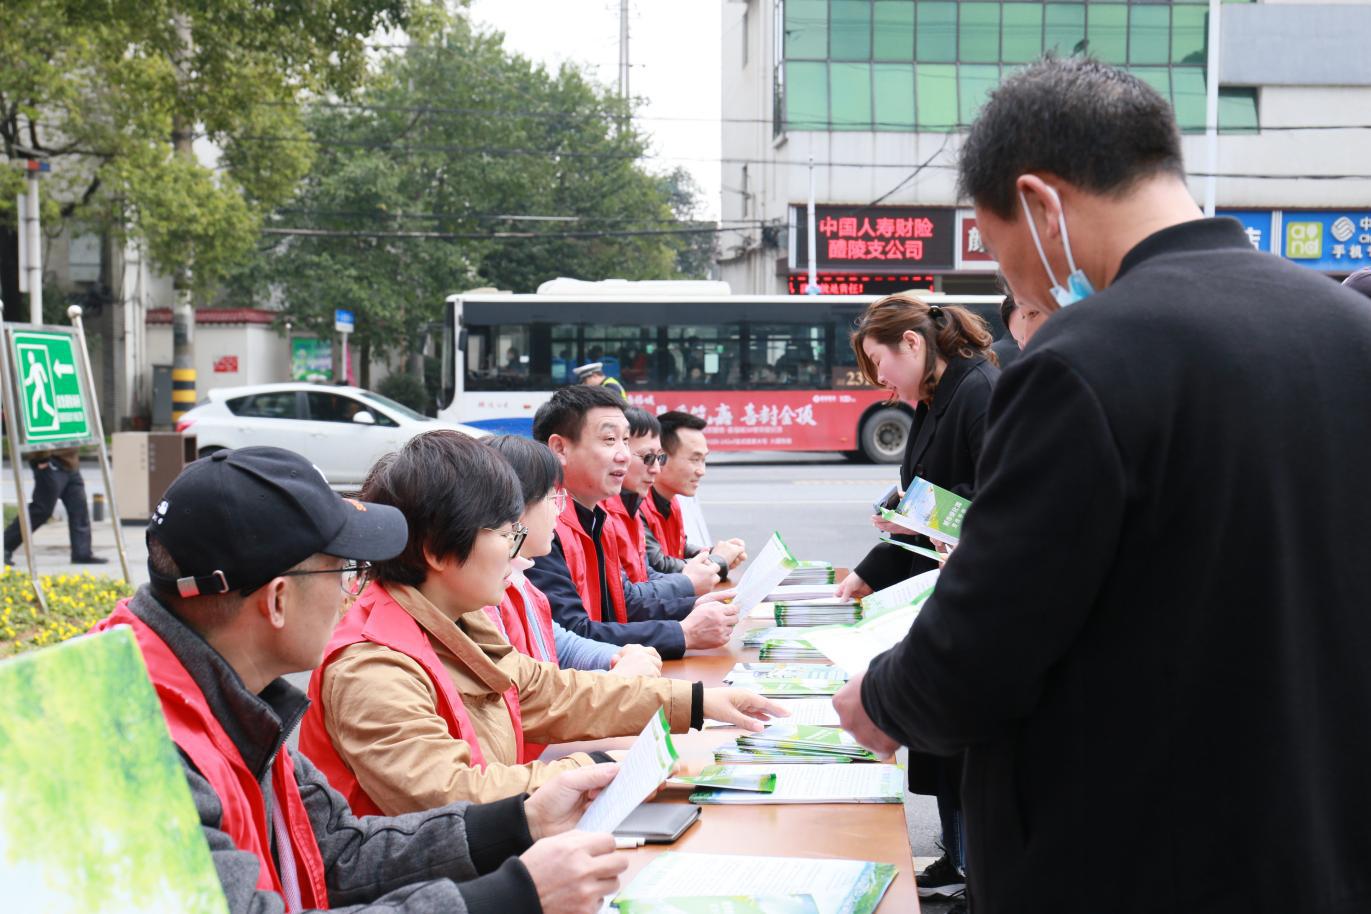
(879,93)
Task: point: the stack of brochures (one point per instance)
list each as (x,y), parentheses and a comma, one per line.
(784,671)
(759,636)
(829,611)
(793,592)
(696,883)
(789,648)
(728,785)
(806,740)
(810,573)
(791,688)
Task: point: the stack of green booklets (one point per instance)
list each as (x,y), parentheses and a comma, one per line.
(747,778)
(749,671)
(791,688)
(677,883)
(803,783)
(830,611)
(805,741)
(810,573)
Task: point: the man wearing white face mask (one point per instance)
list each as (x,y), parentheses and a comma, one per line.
(1151,641)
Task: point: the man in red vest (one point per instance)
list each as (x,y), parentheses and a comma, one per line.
(582,576)
(252,559)
(645,462)
(683,442)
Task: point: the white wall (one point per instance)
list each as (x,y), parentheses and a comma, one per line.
(263,356)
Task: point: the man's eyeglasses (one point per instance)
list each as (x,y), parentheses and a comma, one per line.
(352,577)
(658,457)
(558,499)
(516,536)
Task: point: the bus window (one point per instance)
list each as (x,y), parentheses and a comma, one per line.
(702,356)
(624,352)
(497,357)
(787,355)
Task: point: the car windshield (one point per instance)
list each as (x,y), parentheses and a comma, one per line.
(393,406)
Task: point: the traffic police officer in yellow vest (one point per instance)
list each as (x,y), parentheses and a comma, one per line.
(593,374)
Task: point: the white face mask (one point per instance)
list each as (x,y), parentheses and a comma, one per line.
(1078,285)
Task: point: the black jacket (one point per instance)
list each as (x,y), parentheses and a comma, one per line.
(1153,637)
(943,447)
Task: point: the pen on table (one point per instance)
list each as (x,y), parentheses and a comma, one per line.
(625,843)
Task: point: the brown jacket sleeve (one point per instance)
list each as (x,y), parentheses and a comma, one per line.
(380,710)
(560,706)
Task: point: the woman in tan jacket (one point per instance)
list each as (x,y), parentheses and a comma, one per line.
(420,700)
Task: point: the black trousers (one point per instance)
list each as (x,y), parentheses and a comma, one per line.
(51,482)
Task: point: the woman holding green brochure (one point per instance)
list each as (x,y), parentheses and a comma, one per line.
(937,360)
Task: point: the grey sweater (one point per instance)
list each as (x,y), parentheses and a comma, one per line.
(460,858)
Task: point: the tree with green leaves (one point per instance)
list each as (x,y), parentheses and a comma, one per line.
(459,164)
(117,93)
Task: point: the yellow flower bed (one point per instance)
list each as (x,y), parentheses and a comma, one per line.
(75,603)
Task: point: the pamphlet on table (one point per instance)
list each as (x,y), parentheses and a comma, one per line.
(811,784)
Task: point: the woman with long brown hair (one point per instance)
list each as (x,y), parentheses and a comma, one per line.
(937,359)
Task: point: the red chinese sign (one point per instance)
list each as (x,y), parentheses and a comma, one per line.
(877,237)
(226,364)
(770,419)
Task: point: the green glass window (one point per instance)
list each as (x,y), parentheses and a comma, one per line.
(974,82)
(1158,78)
(978,35)
(849,96)
(1238,110)
(1107,27)
(935,38)
(936,87)
(806,29)
(1023,32)
(1187,90)
(892,33)
(806,95)
(1189,28)
(1063,28)
(1149,34)
(850,30)
(893,90)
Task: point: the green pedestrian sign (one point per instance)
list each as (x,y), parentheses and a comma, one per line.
(51,398)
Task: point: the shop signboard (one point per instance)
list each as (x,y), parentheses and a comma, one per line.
(888,239)
(971,252)
(1262,227)
(1337,241)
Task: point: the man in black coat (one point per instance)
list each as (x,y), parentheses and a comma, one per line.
(1153,639)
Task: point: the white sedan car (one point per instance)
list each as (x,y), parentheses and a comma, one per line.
(341,430)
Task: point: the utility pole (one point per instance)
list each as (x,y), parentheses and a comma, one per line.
(813,287)
(183,310)
(32,232)
(623,49)
(1211,114)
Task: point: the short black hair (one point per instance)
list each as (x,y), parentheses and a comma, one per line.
(1007,309)
(1095,126)
(641,423)
(565,413)
(673,421)
(450,487)
(534,463)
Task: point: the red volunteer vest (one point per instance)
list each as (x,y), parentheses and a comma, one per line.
(669,531)
(631,539)
(198,734)
(579,551)
(514,617)
(377,618)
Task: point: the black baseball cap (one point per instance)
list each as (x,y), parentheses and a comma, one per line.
(1360,281)
(238,518)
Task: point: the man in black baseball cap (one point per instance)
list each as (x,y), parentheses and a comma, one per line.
(253,558)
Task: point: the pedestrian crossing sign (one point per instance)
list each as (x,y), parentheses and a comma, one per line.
(49,394)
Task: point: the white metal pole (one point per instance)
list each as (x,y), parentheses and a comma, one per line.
(22,209)
(813,244)
(9,399)
(74,312)
(1211,117)
(35,253)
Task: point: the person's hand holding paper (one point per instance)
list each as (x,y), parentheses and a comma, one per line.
(559,804)
(709,625)
(741,708)
(856,721)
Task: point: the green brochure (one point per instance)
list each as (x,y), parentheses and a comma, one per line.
(731,777)
(720,904)
(836,886)
(909,547)
(930,510)
(95,813)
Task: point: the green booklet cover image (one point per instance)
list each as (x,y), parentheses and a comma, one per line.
(732,777)
(720,904)
(95,813)
(930,510)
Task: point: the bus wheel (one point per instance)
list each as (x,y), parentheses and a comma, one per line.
(883,435)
